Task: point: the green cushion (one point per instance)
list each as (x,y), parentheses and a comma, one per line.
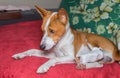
(94,16)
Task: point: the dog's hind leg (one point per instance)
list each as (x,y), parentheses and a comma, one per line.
(93,56)
(89,60)
(33,52)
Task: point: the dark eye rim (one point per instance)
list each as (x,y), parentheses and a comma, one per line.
(51,31)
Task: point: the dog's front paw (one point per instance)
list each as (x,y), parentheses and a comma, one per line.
(45,67)
(81,66)
(18,56)
(42,69)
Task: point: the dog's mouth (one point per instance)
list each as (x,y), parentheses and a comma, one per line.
(42,47)
(46,47)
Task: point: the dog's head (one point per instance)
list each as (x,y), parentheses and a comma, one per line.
(53,27)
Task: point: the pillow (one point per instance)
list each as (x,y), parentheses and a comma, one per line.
(95,16)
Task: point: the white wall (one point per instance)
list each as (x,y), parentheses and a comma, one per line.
(43,3)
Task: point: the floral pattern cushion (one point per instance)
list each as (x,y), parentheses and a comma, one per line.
(95,16)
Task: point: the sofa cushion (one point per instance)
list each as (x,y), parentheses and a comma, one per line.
(95,16)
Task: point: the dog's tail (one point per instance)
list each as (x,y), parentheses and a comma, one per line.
(116,54)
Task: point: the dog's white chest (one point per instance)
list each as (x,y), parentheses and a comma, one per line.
(64,49)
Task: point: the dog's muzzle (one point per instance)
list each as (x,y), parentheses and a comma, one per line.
(47,43)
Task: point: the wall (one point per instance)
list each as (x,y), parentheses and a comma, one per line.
(43,3)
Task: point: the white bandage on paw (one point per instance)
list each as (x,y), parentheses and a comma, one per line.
(119,45)
(94,55)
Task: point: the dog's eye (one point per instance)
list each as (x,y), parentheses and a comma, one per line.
(51,31)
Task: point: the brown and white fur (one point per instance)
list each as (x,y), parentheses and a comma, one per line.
(61,44)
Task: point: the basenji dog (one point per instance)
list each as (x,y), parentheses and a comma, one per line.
(61,44)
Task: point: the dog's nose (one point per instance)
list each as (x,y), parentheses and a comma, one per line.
(42,47)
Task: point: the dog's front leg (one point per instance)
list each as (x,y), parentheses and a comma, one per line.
(53,61)
(32,52)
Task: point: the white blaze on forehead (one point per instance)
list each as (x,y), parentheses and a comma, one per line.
(48,21)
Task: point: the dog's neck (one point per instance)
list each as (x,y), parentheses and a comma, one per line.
(68,36)
(65,41)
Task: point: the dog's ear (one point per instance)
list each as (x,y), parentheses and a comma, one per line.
(43,12)
(62,15)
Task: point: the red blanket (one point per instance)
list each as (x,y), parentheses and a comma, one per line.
(22,36)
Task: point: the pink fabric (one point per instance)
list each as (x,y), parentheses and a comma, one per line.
(22,36)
